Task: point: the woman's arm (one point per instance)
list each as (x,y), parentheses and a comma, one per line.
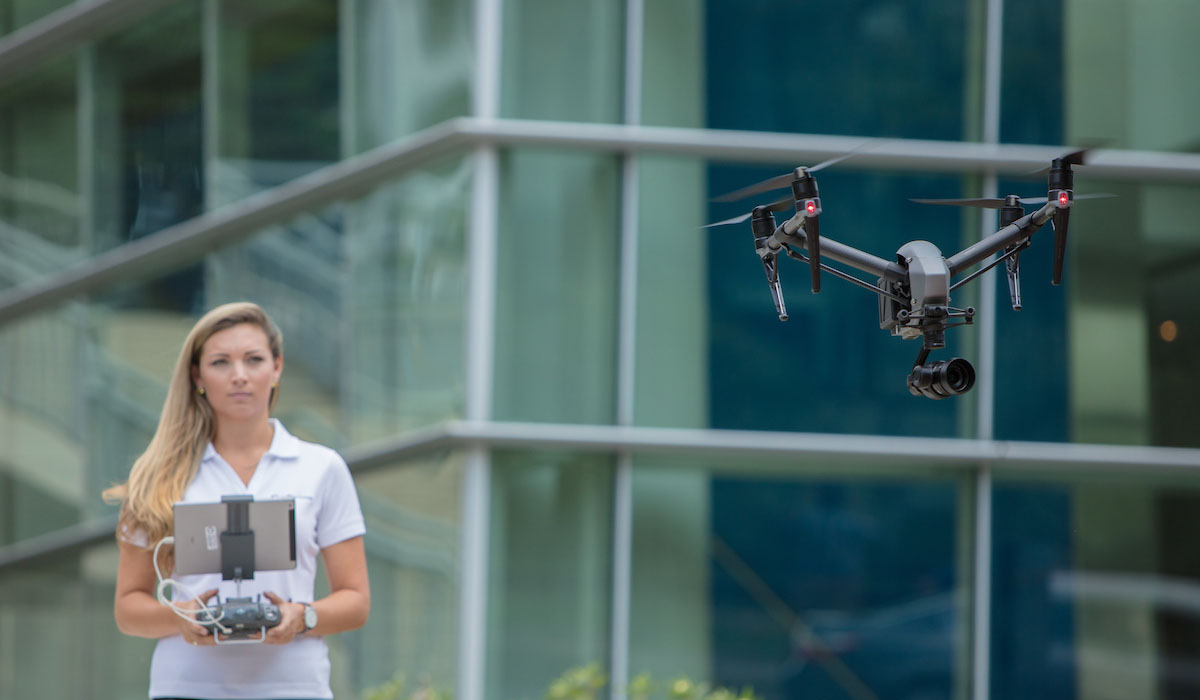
(347,605)
(138,612)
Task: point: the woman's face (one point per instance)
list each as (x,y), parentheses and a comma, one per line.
(237,371)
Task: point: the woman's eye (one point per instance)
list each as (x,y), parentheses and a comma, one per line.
(218,362)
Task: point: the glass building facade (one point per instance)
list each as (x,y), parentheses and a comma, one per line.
(579,432)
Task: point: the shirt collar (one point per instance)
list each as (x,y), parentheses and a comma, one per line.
(284,445)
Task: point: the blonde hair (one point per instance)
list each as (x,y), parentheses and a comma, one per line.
(160,476)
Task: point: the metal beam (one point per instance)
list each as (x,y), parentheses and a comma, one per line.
(65,31)
(876,153)
(188,241)
(894,455)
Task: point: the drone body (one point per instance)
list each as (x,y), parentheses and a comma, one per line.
(914,290)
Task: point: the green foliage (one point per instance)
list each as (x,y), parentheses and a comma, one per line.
(587,682)
(393,689)
(580,683)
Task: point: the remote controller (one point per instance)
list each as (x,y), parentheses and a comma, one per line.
(247,617)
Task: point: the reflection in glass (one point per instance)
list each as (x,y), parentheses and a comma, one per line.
(1094,588)
(1033,72)
(413,518)
(671,364)
(1127,73)
(549,574)
(15,14)
(406,66)
(406,298)
(800,586)
(148,170)
(562,61)
(57,638)
(40,205)
(557,281)
(846,68)
(44,456)
(1093,347)
(277,92)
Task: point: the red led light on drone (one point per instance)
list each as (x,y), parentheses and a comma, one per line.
(1063,199)
(810,207)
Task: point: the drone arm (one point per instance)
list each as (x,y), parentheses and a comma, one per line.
(791,232)
(1023,227)
(838,273)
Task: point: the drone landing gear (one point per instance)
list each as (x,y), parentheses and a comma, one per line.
(938,380)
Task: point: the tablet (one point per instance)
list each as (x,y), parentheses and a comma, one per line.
(198,528)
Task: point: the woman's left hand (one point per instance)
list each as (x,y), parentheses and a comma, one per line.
(291,624)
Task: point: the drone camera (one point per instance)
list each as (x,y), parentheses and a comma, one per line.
(941,379)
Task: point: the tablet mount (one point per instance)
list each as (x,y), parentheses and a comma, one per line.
(240,619)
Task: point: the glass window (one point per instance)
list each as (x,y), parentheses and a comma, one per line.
(549,577)
(57,614)
(1127,74)
(1033,70)
(557,281)
(277,96)
(563,61)
(413,518)
(146,154)
(672,335)
(829,368)
(44,426)
(837,68)
(782,579)
(15,14)
(40,203)
(1093,586)
(1111,349)
(1109,72)
(408,66)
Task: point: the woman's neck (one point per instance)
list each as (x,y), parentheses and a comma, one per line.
(244,436)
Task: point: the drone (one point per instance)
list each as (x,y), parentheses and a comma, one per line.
(913,290)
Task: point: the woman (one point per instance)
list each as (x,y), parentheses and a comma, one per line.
(216,438)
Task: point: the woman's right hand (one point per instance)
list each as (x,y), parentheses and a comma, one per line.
(194,633)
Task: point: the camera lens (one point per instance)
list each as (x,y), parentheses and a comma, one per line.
(958,376)
(937,380)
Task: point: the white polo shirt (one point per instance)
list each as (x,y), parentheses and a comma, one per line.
(327,512)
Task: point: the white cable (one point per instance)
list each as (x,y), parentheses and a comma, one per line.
(188,614)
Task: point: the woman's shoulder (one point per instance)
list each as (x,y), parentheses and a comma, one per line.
(311,453)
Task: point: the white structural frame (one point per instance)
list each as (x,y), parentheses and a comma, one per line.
(622,534)
(981,481)
(478,350)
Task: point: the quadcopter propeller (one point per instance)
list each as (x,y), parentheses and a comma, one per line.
(779,181)
(998,202)
(781,205)
(1073,158)
(1060,182)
